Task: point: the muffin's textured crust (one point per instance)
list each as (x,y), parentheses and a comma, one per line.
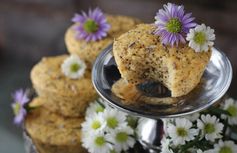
(88,51)
(126,91)
(52,133)
(69,97)
(140,57)
(130,95)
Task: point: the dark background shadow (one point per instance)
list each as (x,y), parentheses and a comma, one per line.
(31,29)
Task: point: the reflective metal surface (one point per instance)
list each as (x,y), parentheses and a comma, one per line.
(215,82)
(151,133)
(29,145)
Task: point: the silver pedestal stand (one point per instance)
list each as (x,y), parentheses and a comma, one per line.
(215,82)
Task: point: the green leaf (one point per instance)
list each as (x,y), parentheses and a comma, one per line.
(188,145)
(132,121)
(225,128)
(233,128)
(29,108)
(219,111)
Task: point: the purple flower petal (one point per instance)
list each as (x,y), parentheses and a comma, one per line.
(163,16)
(98,17)
(20,100)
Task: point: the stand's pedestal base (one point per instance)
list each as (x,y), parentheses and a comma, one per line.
(151,134)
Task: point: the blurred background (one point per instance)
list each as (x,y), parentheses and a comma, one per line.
(31,29)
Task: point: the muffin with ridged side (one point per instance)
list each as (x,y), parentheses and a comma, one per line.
(88,51)
(52,133)
(63,95)
(141,57)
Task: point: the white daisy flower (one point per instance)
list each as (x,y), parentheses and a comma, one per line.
(181,131)
(122,138)
(96,142)
(113,151)
(199,151)
(210,127)
(73,67)
(94,108)
(113,119)
(225,147)
(165,146)
(230,105)
(193,117)
(201,38)
(93,123)
(166,122)
(206,151)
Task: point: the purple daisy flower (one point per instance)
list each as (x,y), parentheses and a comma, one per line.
(92,26)
(173,24)
(20,99)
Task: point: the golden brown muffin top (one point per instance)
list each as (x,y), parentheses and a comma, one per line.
(143,38)
(88,51)
(52,128)
(141,56)
(47,74)
(120,24)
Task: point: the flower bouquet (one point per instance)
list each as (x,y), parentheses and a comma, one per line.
(108,130)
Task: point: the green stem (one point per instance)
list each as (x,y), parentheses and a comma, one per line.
(233,128)
(225,128)
(28,108)
(219,111)
(184,148)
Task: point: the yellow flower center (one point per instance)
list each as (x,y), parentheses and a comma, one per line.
(99,109)
(174,25)
(209,128)
(122,137)
(225,149)
(112,122)
(200,38)
(95,125)
(90,26)
(181,132)
(99,141)
(232,110)
(16,108)
(113,151)
(75,67)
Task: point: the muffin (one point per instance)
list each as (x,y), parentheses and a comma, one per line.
(88,51)
(130,94)
(63,95)
(141,57)
(52,133)
(126,91)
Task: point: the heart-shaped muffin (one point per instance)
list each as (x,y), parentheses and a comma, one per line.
(141,57)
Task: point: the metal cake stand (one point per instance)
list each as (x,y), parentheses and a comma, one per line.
(214,84)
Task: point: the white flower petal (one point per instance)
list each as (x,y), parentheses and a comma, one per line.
(94,107)
(229,144)
(88,142)
(66,67)
(210,120)
(118,116)
(230,102)
(210,37)
(118,145)
(181,124)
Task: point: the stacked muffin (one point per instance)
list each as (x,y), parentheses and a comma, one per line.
(141,56)
(55,124)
